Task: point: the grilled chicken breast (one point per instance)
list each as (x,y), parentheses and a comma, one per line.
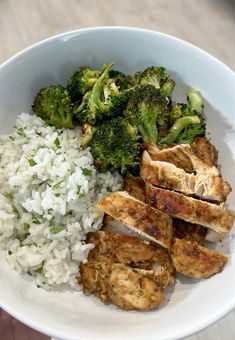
(176,155)
(129,289)
(149,222)
(206,183)
(189,231)
(190,209)
(191,259)
(126,271)
(179,154)
(205,150)
(214,237)
(135,187)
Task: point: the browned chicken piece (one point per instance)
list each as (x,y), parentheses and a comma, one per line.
(214,237)
(122,269)
(206,183)
(151,223)
(94,275)
(134,186)
(203,149)
(176,155)
(190,209)
(112,225)
(129,289)
(130,250)
(188,231)
(191,259)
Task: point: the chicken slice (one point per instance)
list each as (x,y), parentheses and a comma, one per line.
(151,223)
(130,250)
(188,231)
(94,275)
(134,186)
(129,289)
(179,155)
(190,209)
(191,259)
(206,183)
(203,149)
(214,237)
(126,271)
(176,155)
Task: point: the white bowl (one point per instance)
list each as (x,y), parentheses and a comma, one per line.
(193,305)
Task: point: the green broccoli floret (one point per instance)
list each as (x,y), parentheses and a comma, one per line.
(122,81)
(82,81)
(103,101)
(167,88)
(88,133)
(53,105)
(179,125)
(157,77)
(147,110)
(190,132)
(113,101)
(194,99)
(187,121)
(89,110)
(115,145)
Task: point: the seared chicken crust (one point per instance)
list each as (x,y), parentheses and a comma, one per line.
(205,183)
(149,222)
(190,209)
(135,187)
(189,231)
(191,259)
(205,150)
(126,271)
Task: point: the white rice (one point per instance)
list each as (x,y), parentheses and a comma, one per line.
(49,187)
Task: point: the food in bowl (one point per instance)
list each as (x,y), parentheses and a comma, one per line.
(63,169)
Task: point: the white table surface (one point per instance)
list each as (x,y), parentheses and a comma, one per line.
(209,24)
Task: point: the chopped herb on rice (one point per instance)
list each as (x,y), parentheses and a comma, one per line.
(38,213)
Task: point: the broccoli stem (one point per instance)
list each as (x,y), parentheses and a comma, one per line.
(177,127)
(149,133)
(195,100)
(167,88)
(98,88)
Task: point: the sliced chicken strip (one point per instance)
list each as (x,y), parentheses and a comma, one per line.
(214,237)
(126,271)
(134,186)
(189,231)
(191,259)
(205,150)
(149,222)
(176,155)
(206,183)
(190,209)
(129,289)
(130,250)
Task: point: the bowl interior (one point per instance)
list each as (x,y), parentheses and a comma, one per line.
(191,305)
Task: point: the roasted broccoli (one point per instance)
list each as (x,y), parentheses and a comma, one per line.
(122,81)
(88,133)
(115,145)
(147,110)
(103,101)
(157,77)
(187,121)
(53,105)
(194,99)
(82,81)
(89,111)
